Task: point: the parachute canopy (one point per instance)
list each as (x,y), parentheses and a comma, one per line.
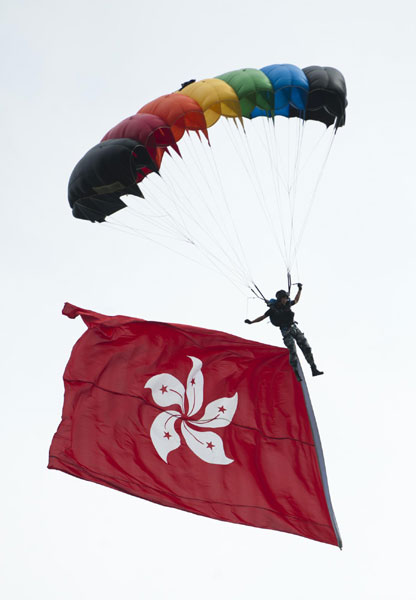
(110,169)
(259,102)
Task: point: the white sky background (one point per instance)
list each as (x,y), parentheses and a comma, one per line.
(70,71)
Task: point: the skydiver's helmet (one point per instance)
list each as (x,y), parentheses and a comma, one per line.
(281,294)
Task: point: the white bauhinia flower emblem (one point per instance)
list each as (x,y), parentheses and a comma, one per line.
(167,390)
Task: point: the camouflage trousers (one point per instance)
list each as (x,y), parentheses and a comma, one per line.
(290,336)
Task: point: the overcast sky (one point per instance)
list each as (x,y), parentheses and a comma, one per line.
(70,71)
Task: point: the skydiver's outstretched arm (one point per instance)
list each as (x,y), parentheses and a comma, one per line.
(297,297)
(256,320)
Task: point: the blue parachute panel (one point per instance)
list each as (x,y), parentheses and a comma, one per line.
(291,88)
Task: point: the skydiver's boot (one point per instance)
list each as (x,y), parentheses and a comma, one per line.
(315,370)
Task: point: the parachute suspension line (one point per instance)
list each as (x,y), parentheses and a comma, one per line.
(240,256)
(293,188)
(313,195)
(220,264)
(158,220)
(291,185)
(202,223)
(237,150)
(187,174)
(283,188)
(134,231)
(278,153)
(274,168)
(183,204)
(258,189)
(237,147)
(170,192)
(312,151)
(232,255)
(275,160)
(118,226)
(219,223)
(179,212)
(205,175)
(296,169)
(303,121)
(163,229)
(174,230)
(265,204)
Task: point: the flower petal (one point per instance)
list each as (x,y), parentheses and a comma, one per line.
(163,433)
(195,387)
(166,390)
(218,413)
(206,445)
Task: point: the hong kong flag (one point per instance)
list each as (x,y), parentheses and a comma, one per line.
(193,419)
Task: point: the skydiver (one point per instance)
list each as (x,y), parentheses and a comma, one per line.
(282,316)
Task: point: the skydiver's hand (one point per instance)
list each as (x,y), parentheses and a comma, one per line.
(247,321)
(300,286)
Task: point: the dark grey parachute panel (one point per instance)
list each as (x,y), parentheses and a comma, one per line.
(107,172)
(327,97)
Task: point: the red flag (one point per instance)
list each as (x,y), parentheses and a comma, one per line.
(193,419)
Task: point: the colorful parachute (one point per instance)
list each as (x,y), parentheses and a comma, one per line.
(135,148)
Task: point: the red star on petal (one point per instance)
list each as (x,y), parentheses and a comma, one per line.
(210,445)
(192,381)
(164,389)
(221,409)
(167,435)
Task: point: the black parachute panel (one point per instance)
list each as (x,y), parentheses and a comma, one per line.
(107,172)
(327,98)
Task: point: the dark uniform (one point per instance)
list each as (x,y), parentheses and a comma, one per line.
(282,316)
